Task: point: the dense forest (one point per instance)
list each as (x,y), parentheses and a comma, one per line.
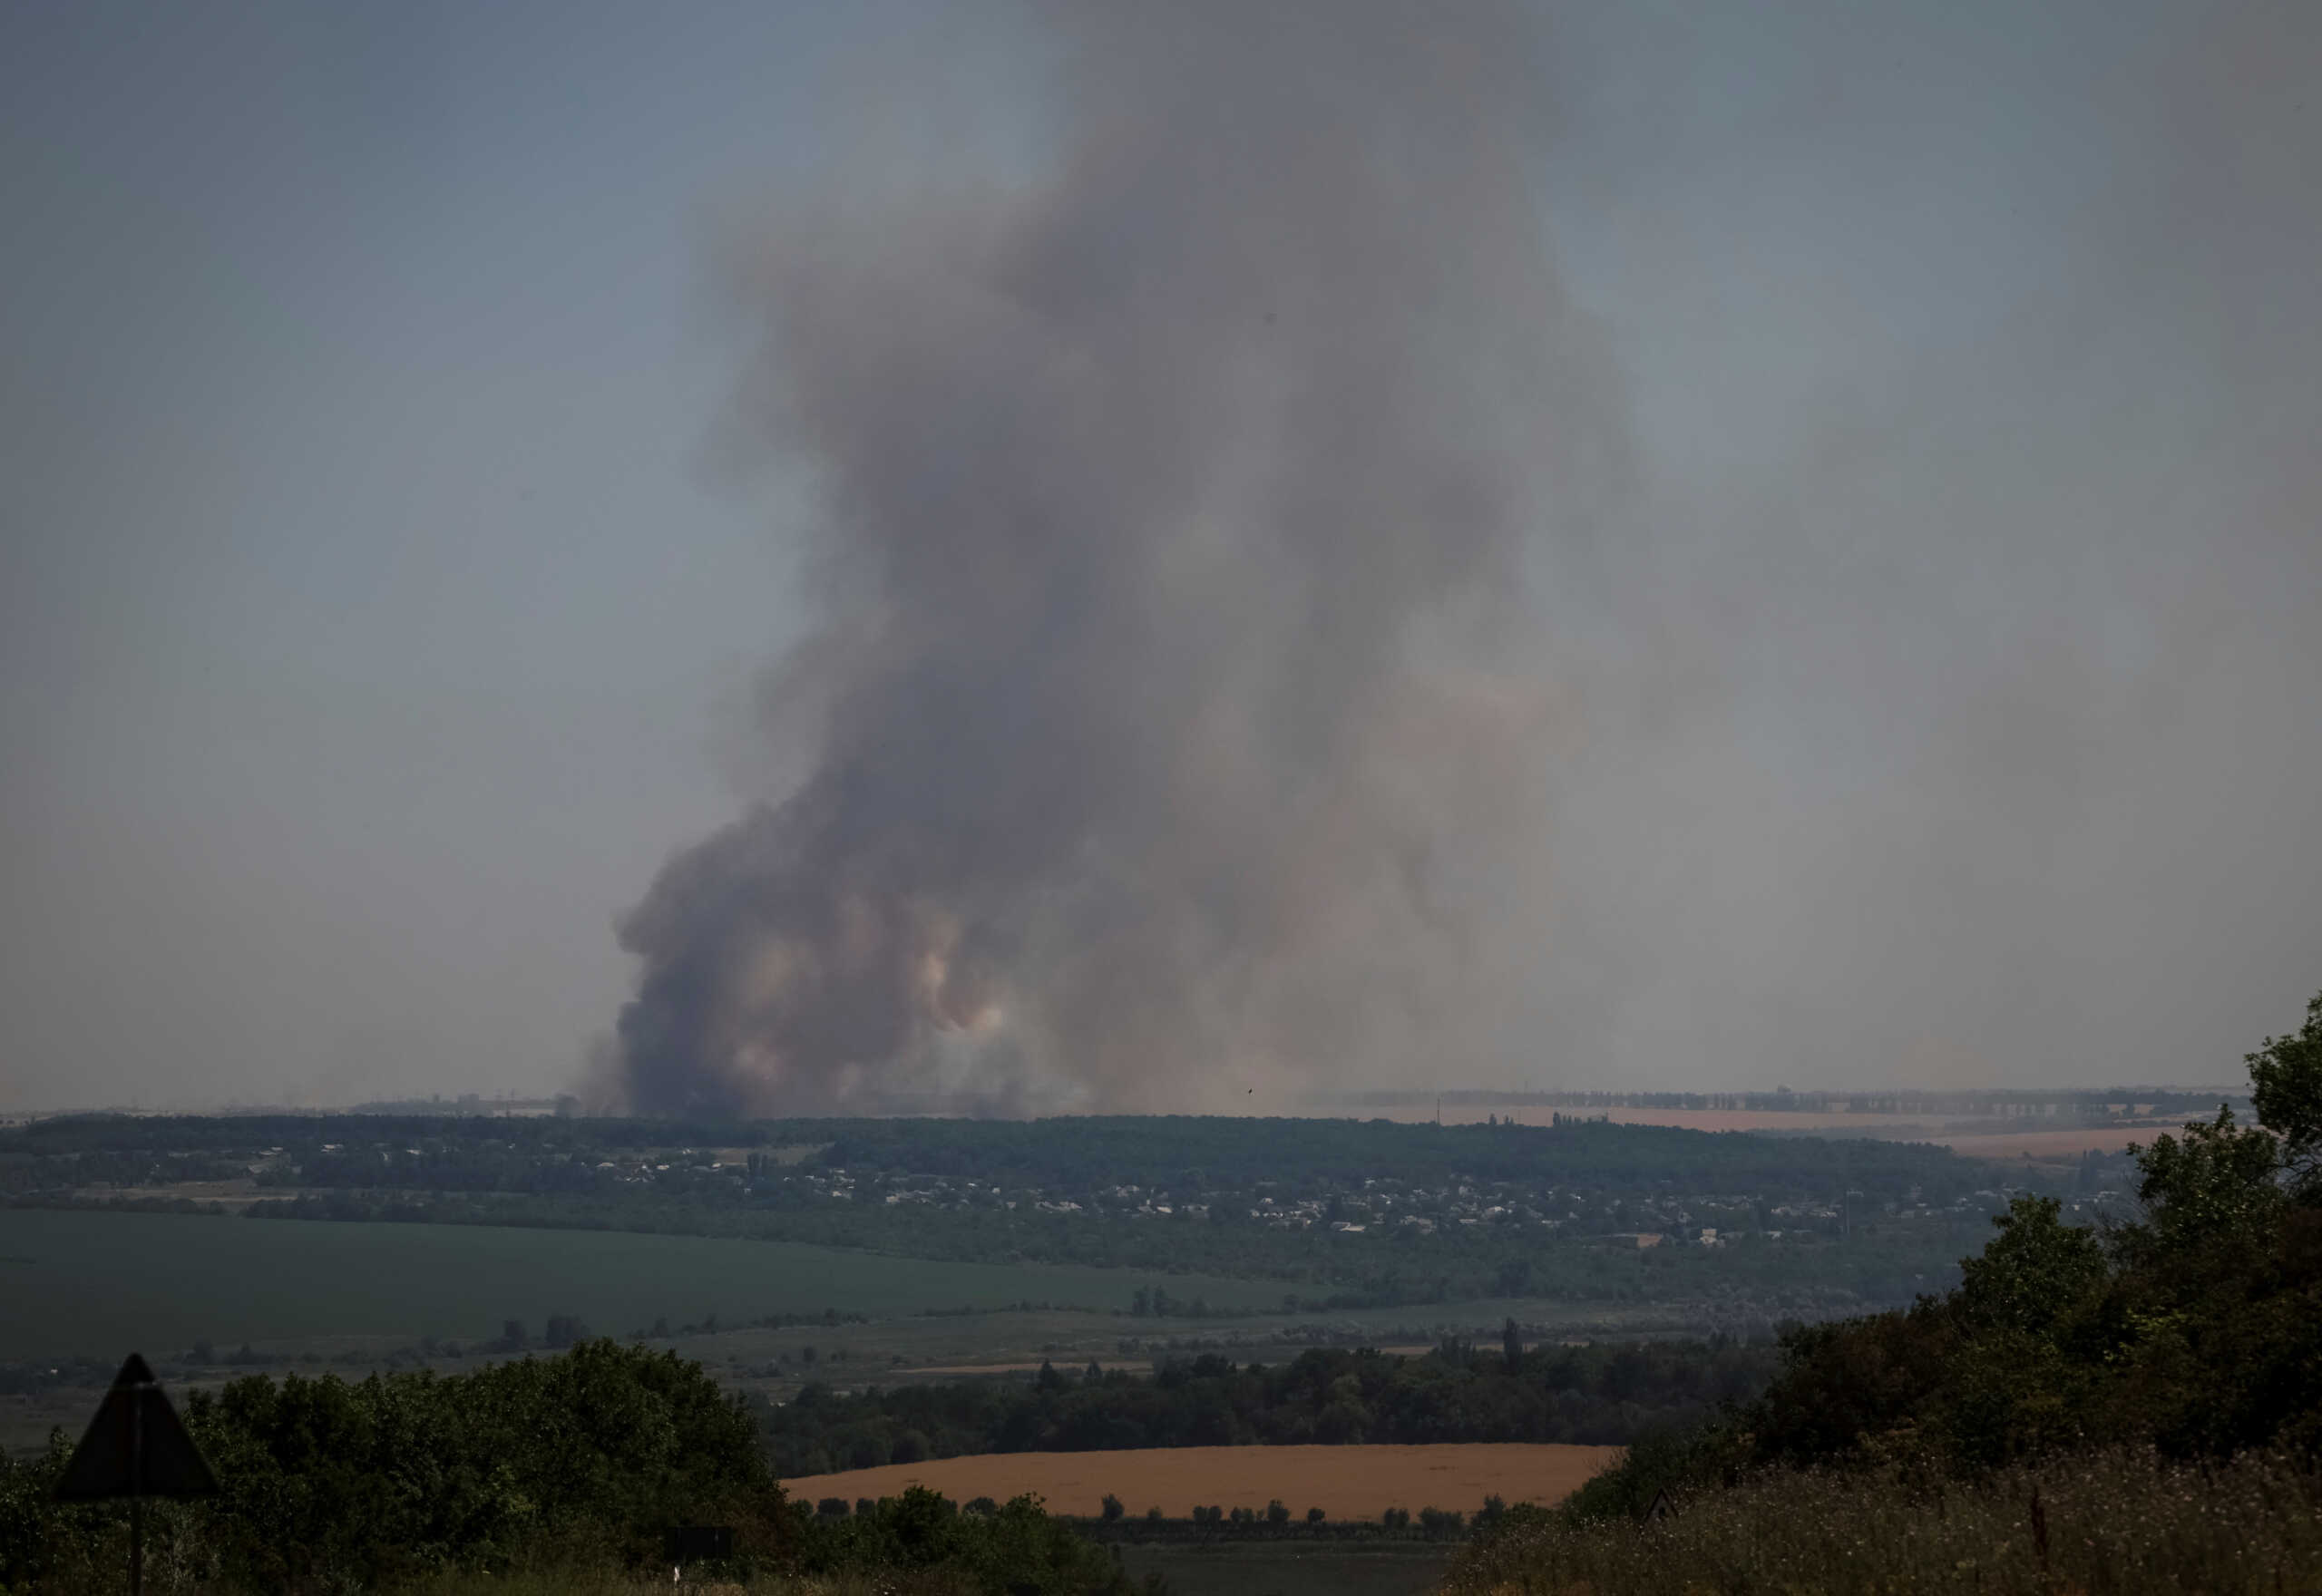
(1596,1394)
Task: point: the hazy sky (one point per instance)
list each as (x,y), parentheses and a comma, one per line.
(1939,697)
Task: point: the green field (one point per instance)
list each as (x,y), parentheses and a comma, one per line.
(103,1283)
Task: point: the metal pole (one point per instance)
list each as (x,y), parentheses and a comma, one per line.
(137,1490)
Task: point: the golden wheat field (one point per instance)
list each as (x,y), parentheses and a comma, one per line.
(1345,1482)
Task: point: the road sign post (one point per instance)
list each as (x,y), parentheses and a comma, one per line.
(136,1447)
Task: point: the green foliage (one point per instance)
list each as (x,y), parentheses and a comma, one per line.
(1602,1394)
(576,1464)
(2215,1187)
(583,1458)
(1014,1548)
(32,1531)
(2286,1088)
(2197,1329)
(1845,1380)
(1677,1461)
(2034,1271)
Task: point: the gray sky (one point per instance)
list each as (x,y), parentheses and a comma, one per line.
(1936,699)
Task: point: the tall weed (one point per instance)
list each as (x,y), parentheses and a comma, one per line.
(2100,1523)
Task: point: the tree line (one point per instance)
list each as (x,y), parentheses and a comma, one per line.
(1598,1395)
(580,1464)
(1179,1153)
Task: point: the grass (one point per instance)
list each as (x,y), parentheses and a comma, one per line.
(104,1283)
(1253,1569)
(598,1582)
(559,1582)
(2102,1524)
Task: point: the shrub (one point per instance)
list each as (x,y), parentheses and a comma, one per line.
(585,1458)
(1015,1548)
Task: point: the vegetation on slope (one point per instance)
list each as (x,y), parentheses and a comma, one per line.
(578,1464)
(1598,1395)
(2179,1358)
(2116,1523)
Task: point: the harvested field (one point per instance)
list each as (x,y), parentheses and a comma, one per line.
(2060,1146)
(1688,1119)
(1977,1139)
(1345,1482)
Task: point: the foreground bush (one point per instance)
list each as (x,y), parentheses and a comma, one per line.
(2196,1330)
(1015,1550)
(559,1473)
(2095,1524)
(585,1459)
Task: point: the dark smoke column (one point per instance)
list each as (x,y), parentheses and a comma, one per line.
(1172,722)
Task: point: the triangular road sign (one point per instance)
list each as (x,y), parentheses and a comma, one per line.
(1664,1505)
(136,1447)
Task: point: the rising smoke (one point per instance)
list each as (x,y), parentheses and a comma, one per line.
(1170,722)
(1229,556)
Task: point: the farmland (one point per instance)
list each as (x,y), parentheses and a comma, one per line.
(1347,1482)
(782,1254)
(91,1282)
(1334,1215)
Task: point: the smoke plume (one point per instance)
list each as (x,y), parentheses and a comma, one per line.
(1170,725)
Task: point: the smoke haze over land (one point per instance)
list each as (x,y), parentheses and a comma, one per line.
(1263,548)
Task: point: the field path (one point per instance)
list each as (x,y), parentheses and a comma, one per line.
(1345,1482)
